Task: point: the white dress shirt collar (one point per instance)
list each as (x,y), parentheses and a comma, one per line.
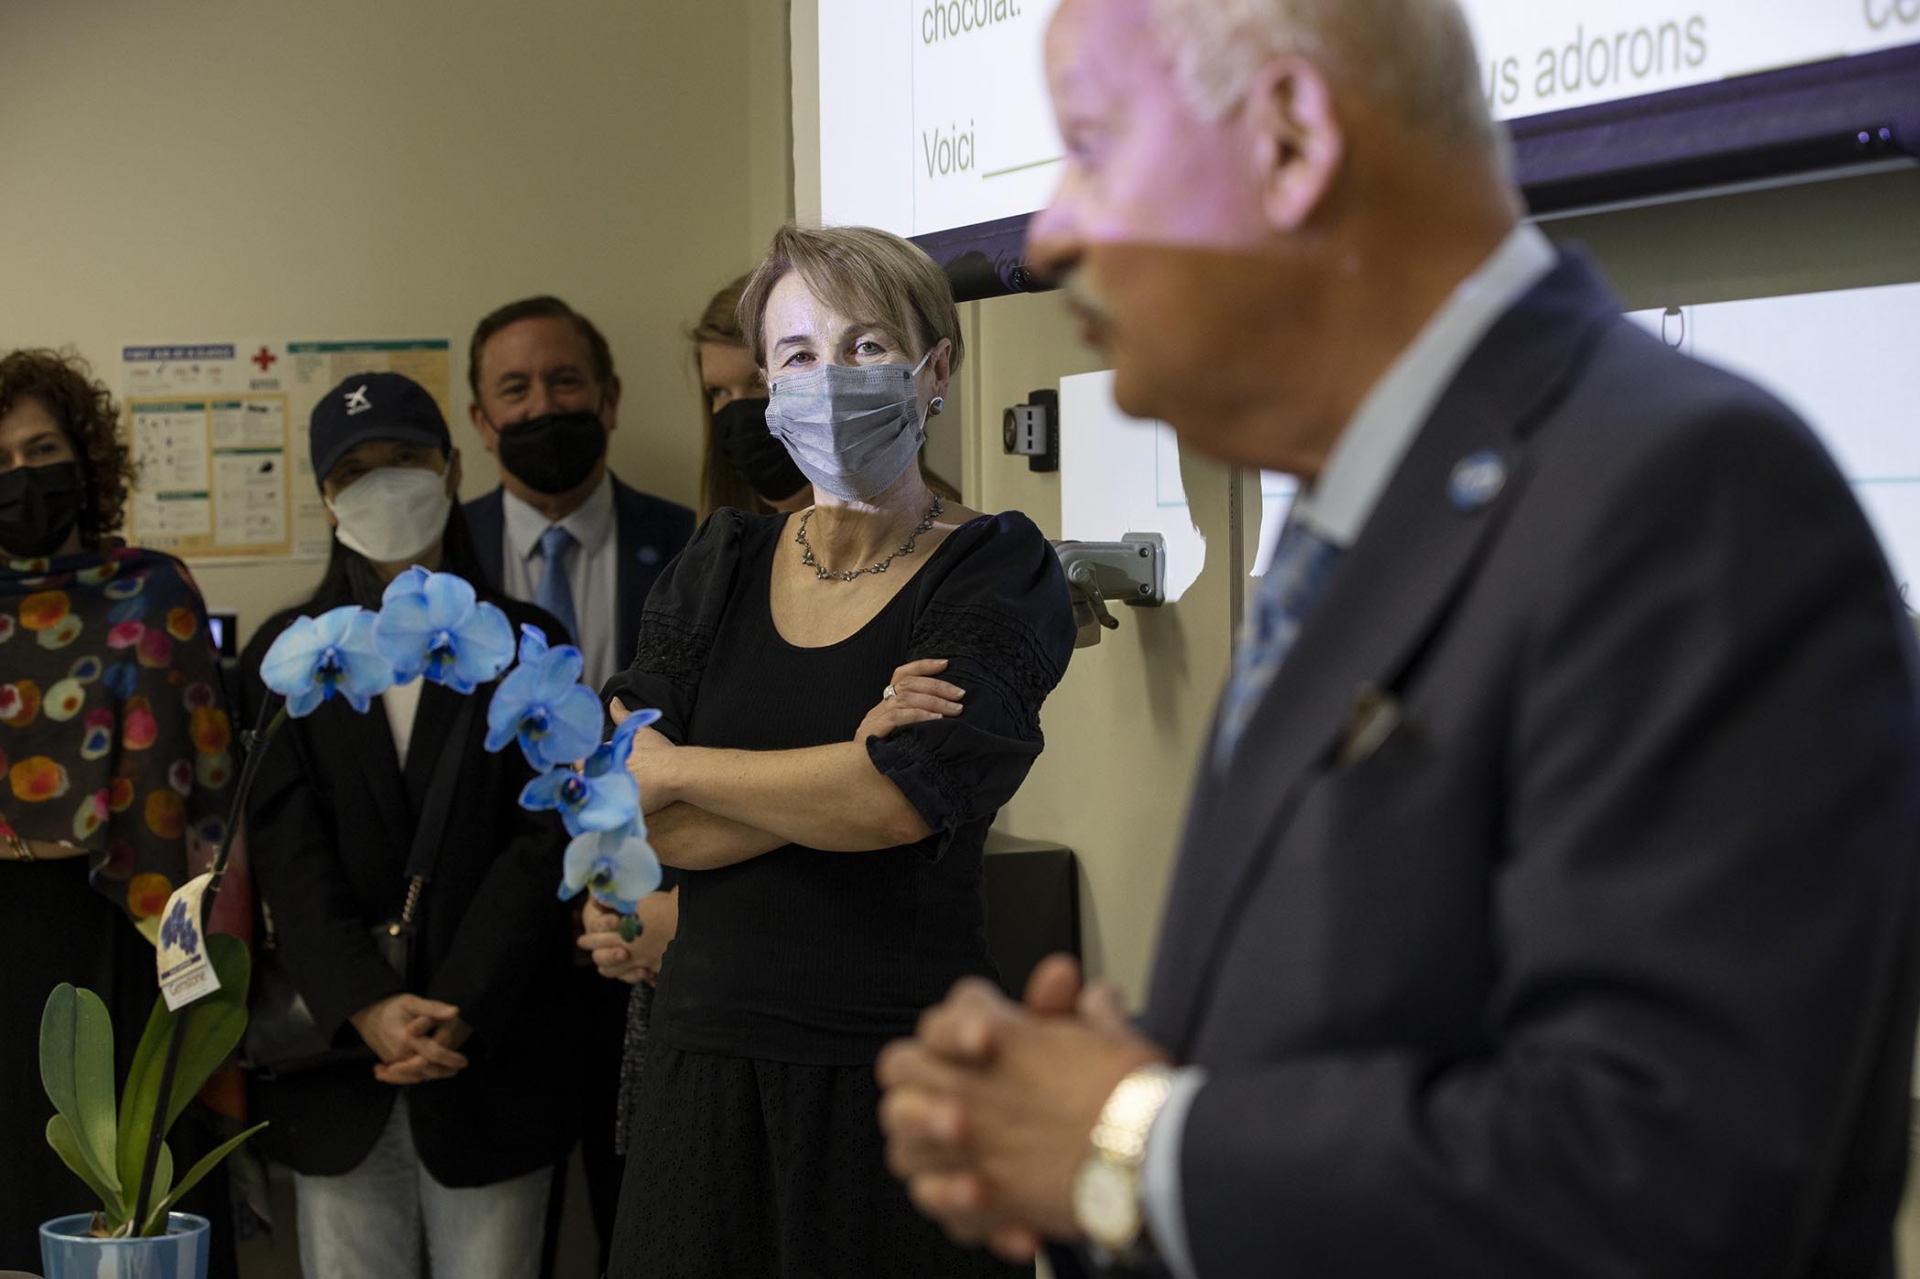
(591,522)
(1380,432)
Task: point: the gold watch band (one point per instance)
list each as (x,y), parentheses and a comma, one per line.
(1120,1134)
(1109,1202)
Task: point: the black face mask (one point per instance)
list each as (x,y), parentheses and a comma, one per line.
(554,453)
(39,505)
(752,450)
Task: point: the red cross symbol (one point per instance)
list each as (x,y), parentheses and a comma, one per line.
(264,358)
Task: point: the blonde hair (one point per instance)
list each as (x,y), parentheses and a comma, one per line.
(1414,57)
(861,272)
(720,484)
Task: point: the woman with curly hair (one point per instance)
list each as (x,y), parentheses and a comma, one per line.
(116,760)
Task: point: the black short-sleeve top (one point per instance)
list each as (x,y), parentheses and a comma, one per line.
(821,957)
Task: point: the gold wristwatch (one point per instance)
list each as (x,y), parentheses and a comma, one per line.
(1107,1191)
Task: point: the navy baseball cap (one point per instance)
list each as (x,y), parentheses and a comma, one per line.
(373,406)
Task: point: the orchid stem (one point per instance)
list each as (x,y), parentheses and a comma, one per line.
(158,1134)
(266,725)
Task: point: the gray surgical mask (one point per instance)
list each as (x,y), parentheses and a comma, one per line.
(851,429)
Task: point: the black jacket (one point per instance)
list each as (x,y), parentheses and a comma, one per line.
(330,824)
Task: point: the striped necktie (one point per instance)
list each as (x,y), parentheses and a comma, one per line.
(1303,562)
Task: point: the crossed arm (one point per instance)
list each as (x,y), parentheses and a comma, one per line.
(712,808)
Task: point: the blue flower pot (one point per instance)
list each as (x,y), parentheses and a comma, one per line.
(68,1251)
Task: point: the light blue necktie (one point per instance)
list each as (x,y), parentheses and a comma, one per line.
(1302,564)
(555,593)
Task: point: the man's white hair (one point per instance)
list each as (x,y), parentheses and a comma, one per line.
(1413,57)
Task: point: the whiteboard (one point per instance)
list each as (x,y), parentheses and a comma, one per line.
(1844,361)
(934,113)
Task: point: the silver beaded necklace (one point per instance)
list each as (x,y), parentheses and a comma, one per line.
(851,574)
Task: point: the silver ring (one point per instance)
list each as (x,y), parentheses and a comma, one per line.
(888,695)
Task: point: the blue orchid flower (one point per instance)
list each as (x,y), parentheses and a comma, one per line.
(617,866)
(432,624)
(602,795)
(317,657)
(555,717)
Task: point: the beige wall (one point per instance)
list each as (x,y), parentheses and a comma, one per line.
(209,169)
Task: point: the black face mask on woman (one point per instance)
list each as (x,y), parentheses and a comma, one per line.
(39,505)
(751,449)
(555,452)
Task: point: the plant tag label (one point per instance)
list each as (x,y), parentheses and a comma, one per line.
(186,974)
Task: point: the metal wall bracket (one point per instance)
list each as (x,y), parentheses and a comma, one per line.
(1131,571)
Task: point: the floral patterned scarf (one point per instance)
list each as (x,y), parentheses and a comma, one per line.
(114,733)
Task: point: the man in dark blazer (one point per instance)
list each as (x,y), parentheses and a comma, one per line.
(545,399)
(1547,901)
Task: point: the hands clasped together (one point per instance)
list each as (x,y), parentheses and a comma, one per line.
(988,1108)
(417,1040)
(630,961)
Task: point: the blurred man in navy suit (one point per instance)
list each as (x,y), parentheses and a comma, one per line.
(1547,903)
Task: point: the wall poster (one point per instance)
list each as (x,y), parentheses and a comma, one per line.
(219,438)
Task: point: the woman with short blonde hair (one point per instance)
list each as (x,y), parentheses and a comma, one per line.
(849,693)
(741,464)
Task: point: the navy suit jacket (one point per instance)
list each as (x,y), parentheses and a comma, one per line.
(652,531)
(1603,962)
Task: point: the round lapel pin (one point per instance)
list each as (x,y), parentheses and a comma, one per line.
(1476,480)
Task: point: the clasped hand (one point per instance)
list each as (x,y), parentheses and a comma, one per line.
(630,961)
(417,1040)
(987,1110)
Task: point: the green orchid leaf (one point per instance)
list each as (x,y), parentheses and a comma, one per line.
(156,1220)
(214,1029)
(76,1067)
(142,1094)
(67,1146)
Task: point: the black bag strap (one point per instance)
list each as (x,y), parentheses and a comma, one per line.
(429,831)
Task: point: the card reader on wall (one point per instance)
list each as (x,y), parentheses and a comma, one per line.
(1032,431)
(1130,571)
